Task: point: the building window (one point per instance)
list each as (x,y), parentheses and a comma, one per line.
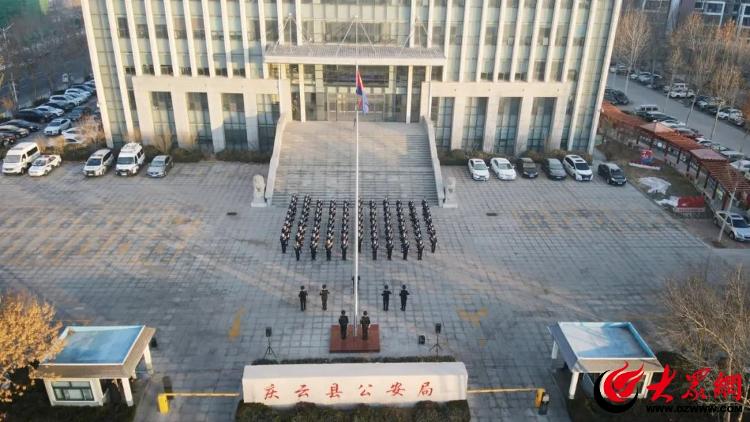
(72,391)
(200,121)
(507,125)
(442,116)
(253,30)
(541,122)
(148,69)
(268,115)
(142,30)
(235,127)
(166,69)
(474,117)
(539,66)
(490,36)
(179,28)
(165,133)
(122,27)
(161,31)
(272,31)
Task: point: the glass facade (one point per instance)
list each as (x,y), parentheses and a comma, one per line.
(235,127)
(542,111)
(72,391)
(474,117)
(507,125)
(162,113)
(268,115)
(200,121)
(442,117)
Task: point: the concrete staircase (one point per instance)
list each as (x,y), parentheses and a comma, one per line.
(317,158)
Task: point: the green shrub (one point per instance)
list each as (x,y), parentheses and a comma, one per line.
(151,152)
(427,411)
(457,411)
(355,359)
(536,156)
(182,155)
(256,412)
(76,152)
(459,157)
(243,156)
(38,102)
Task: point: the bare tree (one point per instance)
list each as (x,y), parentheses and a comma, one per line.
(676,63)
(710,326)
(735,179)
(633,34)
(727,78)
(29,335)
(163,141)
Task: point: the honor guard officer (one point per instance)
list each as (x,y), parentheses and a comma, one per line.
(386,297)
(324,297)
(302,298)
(343,324)
(404,294)
(433,242)
(297,248)
(329,247)
(389,248)
(405,248)
(420,248)
(365,322)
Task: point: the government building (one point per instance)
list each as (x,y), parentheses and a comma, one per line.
(504,76)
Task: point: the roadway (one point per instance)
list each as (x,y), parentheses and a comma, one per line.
(726,133)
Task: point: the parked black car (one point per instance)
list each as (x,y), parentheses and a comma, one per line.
(7,139)
(31,127)
(79,112)
(554,169)
(526,167)
(621,98)
(31,116)
(612,174)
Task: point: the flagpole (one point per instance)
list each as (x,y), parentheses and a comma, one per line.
(356,180)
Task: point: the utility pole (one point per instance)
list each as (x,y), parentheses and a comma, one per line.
(12,79)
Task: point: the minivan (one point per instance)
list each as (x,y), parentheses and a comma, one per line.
(19,158)
(130,160)
(98,163)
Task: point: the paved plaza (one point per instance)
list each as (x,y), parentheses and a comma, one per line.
(514,258)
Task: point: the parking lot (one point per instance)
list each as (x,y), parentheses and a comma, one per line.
(514,258)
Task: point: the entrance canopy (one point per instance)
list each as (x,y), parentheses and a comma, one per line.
(346,54)
(98,352)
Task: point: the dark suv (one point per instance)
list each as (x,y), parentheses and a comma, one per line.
(612,174)
(526,167)
(31,116)
(554,168)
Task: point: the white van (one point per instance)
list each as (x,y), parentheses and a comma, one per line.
(130,160)
(647,108)
(98,163)
(19,158)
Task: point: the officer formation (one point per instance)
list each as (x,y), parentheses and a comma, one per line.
(313,242)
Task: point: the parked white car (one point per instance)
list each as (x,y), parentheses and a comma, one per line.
(98,163)
(19,158)
(577,168)
(75,135)
(478,169)
(52,110)
(742,165)
(43,165)
(729,112)
(503,169)
(79,92)
(681,93)
(68,98)
(130,160)
(56,127)
(736,226)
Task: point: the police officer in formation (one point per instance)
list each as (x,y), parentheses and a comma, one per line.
(374,230)
(329,232)
(402,231)
(344,230)
(386,297)
(388,228)
(302,227)
(324,297)
(427,215)
(417,229)
(315,238)
(286,228)
(404,294)
(361,226)
(302,298)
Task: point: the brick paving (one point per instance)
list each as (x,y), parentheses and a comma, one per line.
(166,254)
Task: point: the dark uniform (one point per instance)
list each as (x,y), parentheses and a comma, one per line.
(386,297)
(343,323)
(297,248)
(405,249)
(324,298)
(420,248)
(389,248)
(404,293)
(329,246)
(302,298)
(365,322)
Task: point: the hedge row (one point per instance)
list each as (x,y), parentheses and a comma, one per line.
(459,157)
(425,411)
(355,359)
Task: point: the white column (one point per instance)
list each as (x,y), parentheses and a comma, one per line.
(573,385)
(47,382)
(534,38)
(119,68)
(133,43)
(147,360)
(552,39)
(217,120)
(227,41)
(245,42)
(145,119)
(646,382)
(464,40)
(209,38)
(298,21)
(490,122)
(302,103)
(152,37)
(558,121)
(605,65)
(524,120)
(500,25)
(447,39)
(126,391)
(581,73)
(412,20)
(409,76)
(569,44)
(554,350)
(251,120)
(480,48)
(170,34)
(262,30)
(516,40)
(190,41)
(182,126)
(94,55)
(430,13)
(457,124)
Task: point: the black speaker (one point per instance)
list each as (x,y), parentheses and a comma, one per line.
(268,332)
(420,339)
(438,328)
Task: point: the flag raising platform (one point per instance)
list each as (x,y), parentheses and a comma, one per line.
(355,344)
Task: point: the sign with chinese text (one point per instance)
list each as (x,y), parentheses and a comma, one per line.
(354,383)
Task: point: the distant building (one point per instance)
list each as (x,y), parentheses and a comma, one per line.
(498,75)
